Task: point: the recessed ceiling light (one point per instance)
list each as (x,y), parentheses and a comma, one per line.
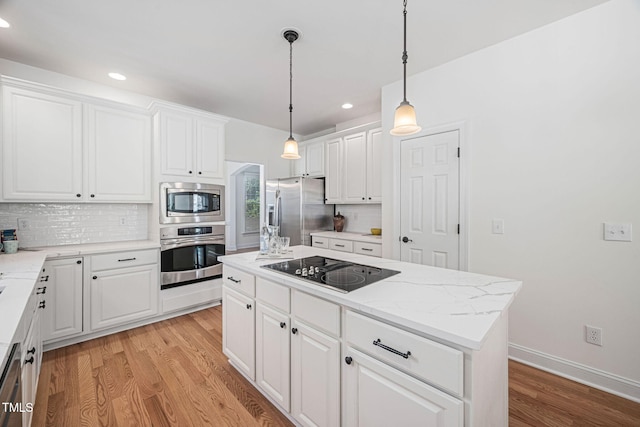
(117,76)
(4,24)
(346,106)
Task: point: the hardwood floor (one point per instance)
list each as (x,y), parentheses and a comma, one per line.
(173,373)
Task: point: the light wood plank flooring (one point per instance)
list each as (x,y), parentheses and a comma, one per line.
(173,373)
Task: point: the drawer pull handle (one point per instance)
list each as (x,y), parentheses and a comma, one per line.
(44,278)
(127,259)
(43,304)
(392,350)
(32,351)
(42,290)
(234,280)
(340,246)
(367,249)
(29,360)
(283,325)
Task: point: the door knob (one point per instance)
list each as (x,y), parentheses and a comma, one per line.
(405,239)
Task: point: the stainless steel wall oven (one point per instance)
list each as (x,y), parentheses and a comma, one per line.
(189,254)
(188,202)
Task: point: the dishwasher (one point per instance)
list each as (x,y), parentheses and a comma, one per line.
(11,390)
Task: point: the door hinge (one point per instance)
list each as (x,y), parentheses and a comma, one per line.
(458,228)
(458,151)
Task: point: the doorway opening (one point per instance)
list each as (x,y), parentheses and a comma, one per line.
(245,205)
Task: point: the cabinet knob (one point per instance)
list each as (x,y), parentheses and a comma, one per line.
(348,360)
(294,331)
(93,195)
(78,195)
(283,325)
(199,173)
(190,172)
(78,262)
(363,198)
(95,277)
(248,306)
(369,198)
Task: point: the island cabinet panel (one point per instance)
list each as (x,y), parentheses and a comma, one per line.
(273,351)
(315,376)
(317,312)
(239,281)
(430,361)
(375,394)
(239,331)
(62,315)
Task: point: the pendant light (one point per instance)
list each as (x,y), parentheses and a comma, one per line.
(404,122)
(290,145)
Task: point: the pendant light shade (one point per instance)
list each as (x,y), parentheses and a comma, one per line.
(290,146)
(405,122)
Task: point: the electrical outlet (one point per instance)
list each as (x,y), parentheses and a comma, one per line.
(23,224)
(620,232)
(593,335)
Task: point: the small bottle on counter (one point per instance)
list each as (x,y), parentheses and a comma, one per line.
(264,240)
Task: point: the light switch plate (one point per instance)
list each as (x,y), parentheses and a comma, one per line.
(497,226)
(619,232)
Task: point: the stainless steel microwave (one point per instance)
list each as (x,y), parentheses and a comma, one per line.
(189,202)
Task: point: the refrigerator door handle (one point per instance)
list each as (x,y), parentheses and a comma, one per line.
(279,211)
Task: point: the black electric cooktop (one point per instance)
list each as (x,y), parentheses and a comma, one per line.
(342,276)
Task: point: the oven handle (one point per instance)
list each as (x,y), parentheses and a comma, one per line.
(180,243)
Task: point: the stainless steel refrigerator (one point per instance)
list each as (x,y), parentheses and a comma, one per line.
(297,206)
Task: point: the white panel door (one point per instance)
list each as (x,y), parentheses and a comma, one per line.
(429,209)
(239,331)
(273,350)
(377,395)
(62,315)
(374,166)
(314,159)
(315,377)
(210,149)
(176,140)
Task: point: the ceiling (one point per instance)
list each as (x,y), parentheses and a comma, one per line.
(229,57)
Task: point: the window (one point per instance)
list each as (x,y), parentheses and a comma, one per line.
(251,202)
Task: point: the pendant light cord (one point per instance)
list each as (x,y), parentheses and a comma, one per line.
(291,88)
(404,53)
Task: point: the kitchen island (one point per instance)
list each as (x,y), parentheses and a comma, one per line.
(426,346)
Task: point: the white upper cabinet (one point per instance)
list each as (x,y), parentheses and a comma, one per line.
(191,142)
(353,166)
(311,161)
(42,146)
(118,154)
(60,146)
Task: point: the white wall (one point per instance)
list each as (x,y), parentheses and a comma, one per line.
(553,120)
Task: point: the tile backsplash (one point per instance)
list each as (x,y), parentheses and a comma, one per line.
(67,224)
(360,218)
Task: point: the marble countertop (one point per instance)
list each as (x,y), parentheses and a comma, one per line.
(455,306)
(19,274)
(356,237)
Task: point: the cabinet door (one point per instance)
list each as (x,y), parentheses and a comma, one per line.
(238,331)
(42,141)
(209,149)
(374,166)
(314,159)
(377,395)
(355,168)
(315,376)
(123,295)
(118,154)
(176,143)
(333,180)
(298,166)
(273,354)
(31,362)
(62,315)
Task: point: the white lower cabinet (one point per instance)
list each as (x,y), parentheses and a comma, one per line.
(32,346)
(124,287)
(376,394)
(273,350)
(238,330)
(315,376)
(62,316)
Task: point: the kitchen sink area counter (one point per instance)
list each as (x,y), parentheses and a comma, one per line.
(415,345)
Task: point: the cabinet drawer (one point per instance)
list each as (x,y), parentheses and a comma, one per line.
(320,242)
(317,312)
(123,259)
(273,294)
(341,245)
(430,361)
(372,249)
(239,280)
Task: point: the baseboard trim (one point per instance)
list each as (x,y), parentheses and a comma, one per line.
(583,374)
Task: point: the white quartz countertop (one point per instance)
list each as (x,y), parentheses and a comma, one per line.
(20,273)
(450,305)
(356,237)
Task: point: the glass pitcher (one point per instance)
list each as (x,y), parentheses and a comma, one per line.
(274,240)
